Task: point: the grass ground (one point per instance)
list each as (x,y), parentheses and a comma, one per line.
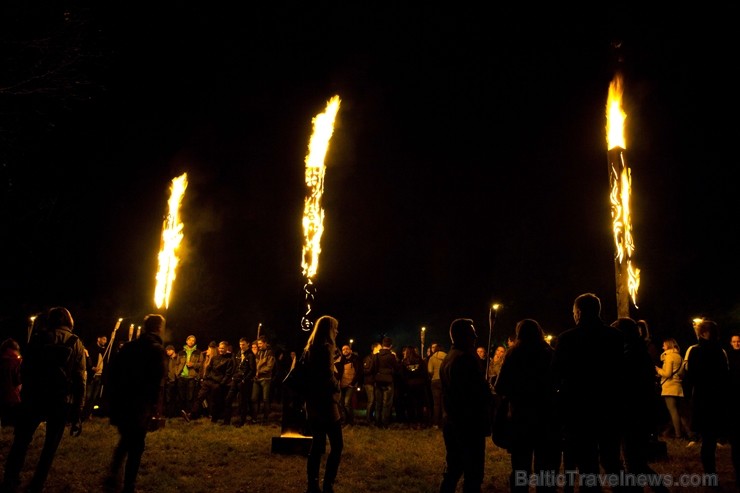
(202,457)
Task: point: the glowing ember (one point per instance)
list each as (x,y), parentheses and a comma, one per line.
(313,214)
(620,178)
(293,434)
(171,237)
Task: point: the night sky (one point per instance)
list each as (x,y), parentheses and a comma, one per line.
(468,164)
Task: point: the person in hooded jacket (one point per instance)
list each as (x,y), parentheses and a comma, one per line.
(53,373)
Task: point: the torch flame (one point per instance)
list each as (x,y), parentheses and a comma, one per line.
(313,214)
(621,187)
(615,115)
(171,237)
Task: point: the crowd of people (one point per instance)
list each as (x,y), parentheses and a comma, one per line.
(596,398)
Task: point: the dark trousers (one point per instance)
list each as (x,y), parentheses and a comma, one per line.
(383,403)
(218,401)
(465,458)
(208,392)
(171,400)
(187,390)
(320,431)
(261,393)
(130,448)
(536,447)
(636,447)
(593,446)
(708,452)
(437,411)
(28,422)
(415,403)
(240,392)
(92,395)
(348,412)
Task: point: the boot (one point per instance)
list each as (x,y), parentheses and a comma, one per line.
(328,486)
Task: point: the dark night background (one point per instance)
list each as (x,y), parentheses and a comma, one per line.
(468,164)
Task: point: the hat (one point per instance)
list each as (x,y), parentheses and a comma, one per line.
(170,346)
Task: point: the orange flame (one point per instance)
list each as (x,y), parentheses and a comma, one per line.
(171,237)
(313,214)
(620,178)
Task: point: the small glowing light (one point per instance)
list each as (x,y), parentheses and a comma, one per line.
(292,434)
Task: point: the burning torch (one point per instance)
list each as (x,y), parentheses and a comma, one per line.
(620,180)
(170,242)
(313,213)
(106,353)
(492,314)
(31,321)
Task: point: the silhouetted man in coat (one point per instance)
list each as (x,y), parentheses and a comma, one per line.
(588,364)
(466,398)
(136,380)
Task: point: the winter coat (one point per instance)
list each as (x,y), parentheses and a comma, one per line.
(707,372)
(434,364)
(265,362)
(35,378)
(322,392)
(136,381)
(525,378)
(671,374)
(466,396)
(182,359)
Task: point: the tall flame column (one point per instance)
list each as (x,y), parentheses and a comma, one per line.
(313,213)
(170,242)
(627,276)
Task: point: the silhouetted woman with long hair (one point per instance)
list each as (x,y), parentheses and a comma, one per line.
(322,404)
